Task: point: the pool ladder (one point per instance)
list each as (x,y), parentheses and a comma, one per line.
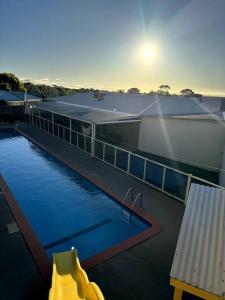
(128,214)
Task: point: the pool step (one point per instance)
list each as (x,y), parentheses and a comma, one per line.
(126,214)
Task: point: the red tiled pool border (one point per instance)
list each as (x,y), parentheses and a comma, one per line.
(34,245)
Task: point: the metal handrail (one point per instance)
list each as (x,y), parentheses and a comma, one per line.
(139,196)
(130,190)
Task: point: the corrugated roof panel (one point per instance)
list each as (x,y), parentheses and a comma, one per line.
(199,259)
(85,113)
(145,105)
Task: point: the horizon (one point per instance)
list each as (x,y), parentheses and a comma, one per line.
(116,45)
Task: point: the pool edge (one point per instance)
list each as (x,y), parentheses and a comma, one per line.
(38,253)
(102,256)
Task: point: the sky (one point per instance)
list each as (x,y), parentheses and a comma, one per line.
(99,43)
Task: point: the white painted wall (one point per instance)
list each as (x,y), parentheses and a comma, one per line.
(196,142)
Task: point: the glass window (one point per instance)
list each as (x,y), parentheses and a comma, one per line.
(121,159)
(109,154)
(61,120)
(74,138)
(154,174)
(50,128)
(67,135)
(81,141)
(61,134)
(88,144)
(175,183)
(99,149)
(35,111)
(46,114)
(136,166)
(56,129)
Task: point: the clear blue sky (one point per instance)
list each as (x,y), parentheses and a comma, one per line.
(96,43)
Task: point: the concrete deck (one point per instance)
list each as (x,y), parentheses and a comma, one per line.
(19,276)
(141,272)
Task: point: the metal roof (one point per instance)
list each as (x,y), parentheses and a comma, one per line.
(200,254)
(17,96)
(87,114)
(145,105)
(6,96)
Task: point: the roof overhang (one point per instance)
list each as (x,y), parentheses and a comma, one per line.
(87,114)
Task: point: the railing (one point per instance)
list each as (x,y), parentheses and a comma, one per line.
(130,191)
(75,138)
(166,179)
(138,197)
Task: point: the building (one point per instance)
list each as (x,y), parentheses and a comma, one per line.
(12,104)
(176,131)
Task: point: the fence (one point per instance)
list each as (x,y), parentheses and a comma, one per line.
(170,181)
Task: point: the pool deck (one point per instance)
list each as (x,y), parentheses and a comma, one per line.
(19,277)
(139,273)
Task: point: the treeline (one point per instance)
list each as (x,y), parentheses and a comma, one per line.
(45,91)
(9,82)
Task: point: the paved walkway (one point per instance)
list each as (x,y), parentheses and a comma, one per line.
(141,272)
(19,276)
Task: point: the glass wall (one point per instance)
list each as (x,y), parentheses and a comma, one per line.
(60,127)
(61,120)
(166,179)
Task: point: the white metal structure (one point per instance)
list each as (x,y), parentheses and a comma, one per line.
(199,259)
(168,180)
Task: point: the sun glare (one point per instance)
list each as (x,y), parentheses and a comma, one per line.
(149,53)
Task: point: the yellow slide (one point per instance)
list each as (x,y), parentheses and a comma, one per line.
(70,281)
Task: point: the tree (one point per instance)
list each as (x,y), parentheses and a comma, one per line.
(133,91)
(9,82)
(152,93)
(164,89)
(187,93)
(120,91)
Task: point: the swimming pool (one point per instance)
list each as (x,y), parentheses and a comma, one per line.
(63,208)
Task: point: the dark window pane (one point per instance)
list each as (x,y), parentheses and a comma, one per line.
(67,135)
(46,114)
(154,174)
(50,128)
(81,141)
(88,144)
(99,149)
(56,130)
(38,122)
(109,154)
(175,183)
(46,125)
(61,120)
(74,138)
(35,111)
(136,166)
(78,126)
(121,159)
(61,132)
(41,123)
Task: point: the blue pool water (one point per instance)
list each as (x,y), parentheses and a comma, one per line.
(63,208)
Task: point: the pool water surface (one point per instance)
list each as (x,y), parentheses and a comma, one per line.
(63,208)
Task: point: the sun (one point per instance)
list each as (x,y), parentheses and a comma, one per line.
(149,53)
